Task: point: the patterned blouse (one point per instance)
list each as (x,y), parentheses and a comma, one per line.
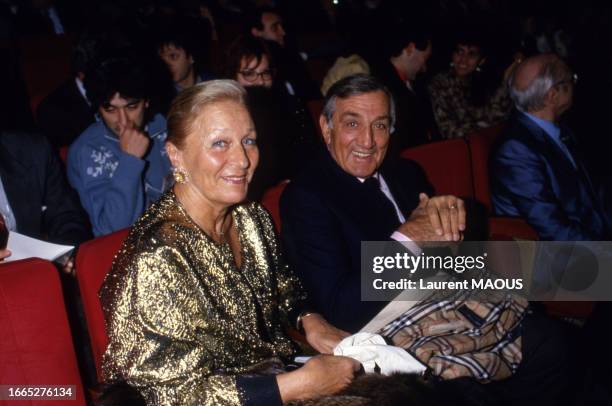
(455,116)
(185,324)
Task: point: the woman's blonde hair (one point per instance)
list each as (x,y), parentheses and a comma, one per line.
(188,105)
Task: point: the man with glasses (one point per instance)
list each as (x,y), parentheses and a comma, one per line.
(537,170)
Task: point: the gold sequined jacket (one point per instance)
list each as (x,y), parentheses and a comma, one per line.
(184,322)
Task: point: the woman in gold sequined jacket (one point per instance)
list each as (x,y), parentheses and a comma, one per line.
(199,297)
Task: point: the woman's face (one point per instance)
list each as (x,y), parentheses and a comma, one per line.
(221,154)
(253,74)
(466,58)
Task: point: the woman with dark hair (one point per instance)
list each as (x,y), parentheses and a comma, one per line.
(469,95)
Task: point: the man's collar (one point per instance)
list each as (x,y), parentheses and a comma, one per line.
(548,127)
(375,175)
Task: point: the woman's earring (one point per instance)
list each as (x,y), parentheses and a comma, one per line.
(452,65)
(179,175)
(478,69)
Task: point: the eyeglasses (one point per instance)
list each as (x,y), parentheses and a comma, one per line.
(251,75)
(573,80)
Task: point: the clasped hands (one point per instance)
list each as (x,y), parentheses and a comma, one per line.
(439,218)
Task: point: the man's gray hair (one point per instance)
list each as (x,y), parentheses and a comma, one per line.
(355,85)
(533,97)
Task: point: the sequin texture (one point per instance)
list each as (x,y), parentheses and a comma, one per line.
(182,319)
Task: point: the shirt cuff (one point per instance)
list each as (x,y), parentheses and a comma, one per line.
(407,242)
(259,390)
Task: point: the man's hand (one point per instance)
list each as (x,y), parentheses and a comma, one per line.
(133,141)
(69,268)
(4,254)
(320,376)
(321,335)
(440,218)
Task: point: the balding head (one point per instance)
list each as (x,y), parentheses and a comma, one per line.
(534,78)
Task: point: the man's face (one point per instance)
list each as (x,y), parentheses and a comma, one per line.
(417,61)
(119,113)
(564,96)
(360,133)
(178,62)
(273,29)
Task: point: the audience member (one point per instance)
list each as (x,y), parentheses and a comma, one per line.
(35,198)
(286,133)
(267,24)
(119,165)
(469,95)
(537,170)
(37,18)
(65,113)
(344,66)
(211,326)
(402,57)
(348,195)
(176,48)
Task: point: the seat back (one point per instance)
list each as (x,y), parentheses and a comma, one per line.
(51,54)
(510,228)
(447,165)
(315,108)
(271,201)
(480,144)
(36,343)
(93,262)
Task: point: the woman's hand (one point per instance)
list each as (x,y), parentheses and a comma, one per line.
(320,376)
(321,335)
(4,254)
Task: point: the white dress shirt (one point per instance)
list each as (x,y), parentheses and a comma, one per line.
(404,239)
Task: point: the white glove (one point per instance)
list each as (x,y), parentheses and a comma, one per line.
(372,350)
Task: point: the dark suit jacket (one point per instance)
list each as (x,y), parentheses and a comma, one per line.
(414,116)
(532,178)
(33,179)
(64,114)
(326,213)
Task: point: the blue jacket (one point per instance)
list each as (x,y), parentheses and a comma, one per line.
(115,187)
(532,178)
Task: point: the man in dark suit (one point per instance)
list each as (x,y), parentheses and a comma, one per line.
(347,195)
(537,171)
(37,199)
(402,56)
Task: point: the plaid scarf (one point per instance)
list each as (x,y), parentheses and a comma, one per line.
(463,336)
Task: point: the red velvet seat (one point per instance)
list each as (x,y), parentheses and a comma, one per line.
(45,64)
(447,165)
(35,343)
(480,144)
(63,153)
(315,107)
(509,228)
(271,201)
(93,261)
